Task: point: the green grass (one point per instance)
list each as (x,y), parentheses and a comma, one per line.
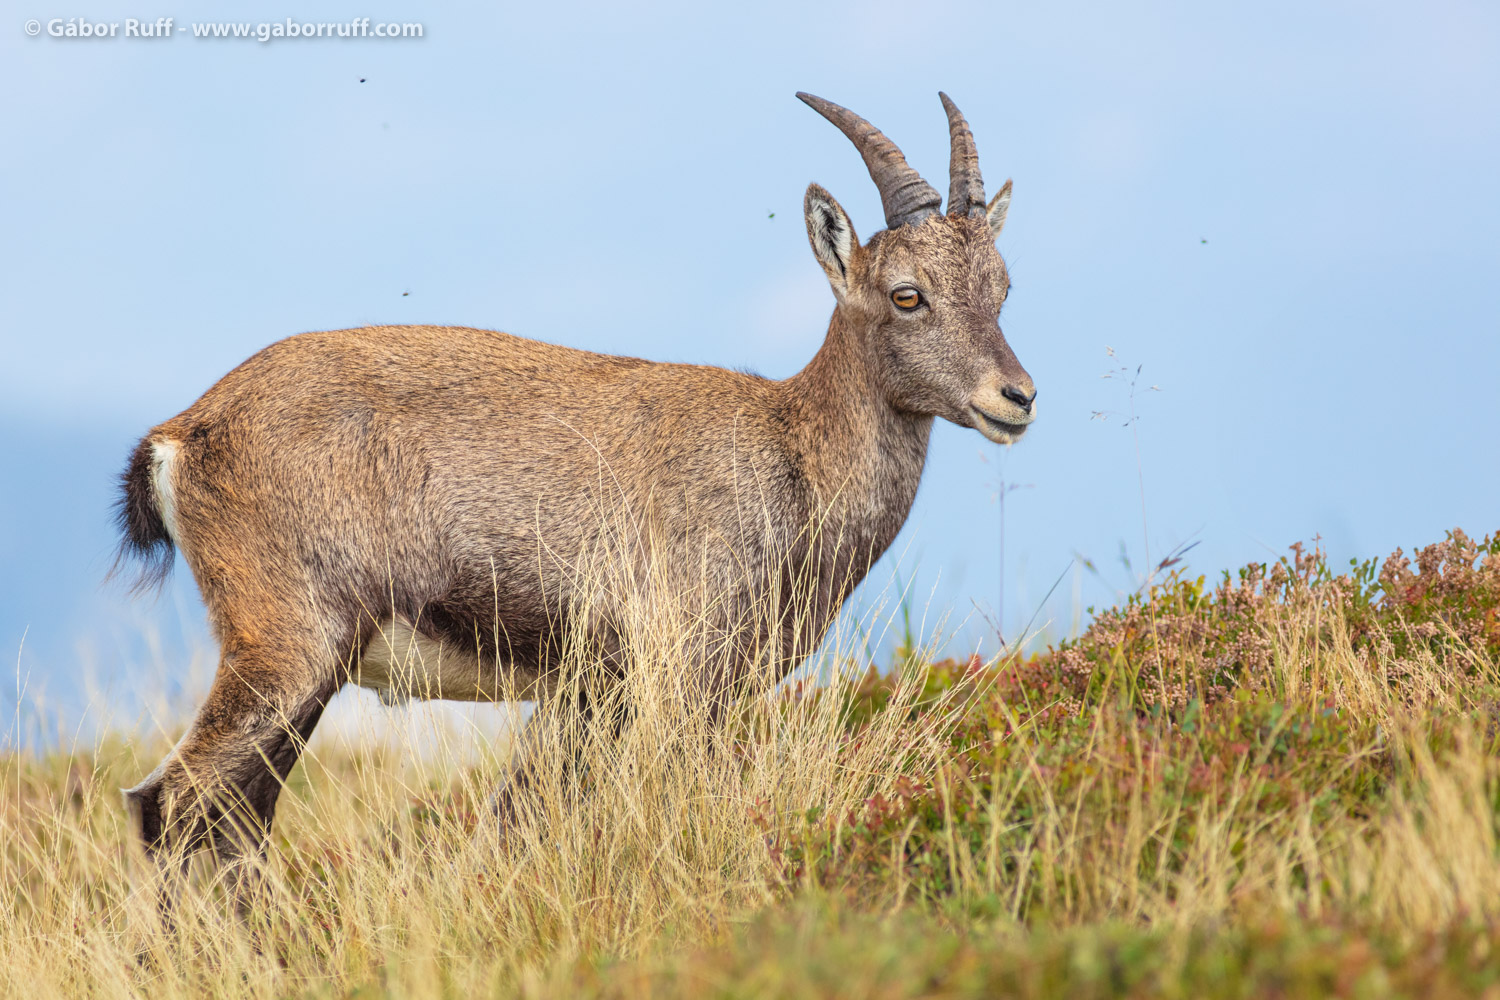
(825,952)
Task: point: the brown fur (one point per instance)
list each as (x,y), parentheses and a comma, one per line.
(340,487)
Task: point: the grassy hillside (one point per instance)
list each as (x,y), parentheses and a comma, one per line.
(1283,783)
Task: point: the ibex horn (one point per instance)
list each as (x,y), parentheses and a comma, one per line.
(904,195)
(965,186)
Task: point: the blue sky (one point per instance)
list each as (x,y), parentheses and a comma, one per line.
(1285,213)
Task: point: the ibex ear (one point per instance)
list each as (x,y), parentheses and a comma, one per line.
(832,236)
(995,211)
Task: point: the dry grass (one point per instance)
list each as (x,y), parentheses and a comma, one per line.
(386,866)
(1287,785)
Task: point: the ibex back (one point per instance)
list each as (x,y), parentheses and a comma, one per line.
(341,495)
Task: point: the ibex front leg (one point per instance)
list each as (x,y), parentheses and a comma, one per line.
(219,785)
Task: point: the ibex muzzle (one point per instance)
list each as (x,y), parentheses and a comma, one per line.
(407,507)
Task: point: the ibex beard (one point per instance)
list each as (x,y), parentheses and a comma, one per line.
(425,510)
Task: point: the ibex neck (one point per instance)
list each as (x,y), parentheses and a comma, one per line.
(862,456)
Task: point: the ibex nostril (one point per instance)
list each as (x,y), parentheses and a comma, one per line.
(1018,397)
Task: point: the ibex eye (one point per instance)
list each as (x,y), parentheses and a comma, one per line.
(907,298)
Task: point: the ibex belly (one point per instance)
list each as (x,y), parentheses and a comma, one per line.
(400,662)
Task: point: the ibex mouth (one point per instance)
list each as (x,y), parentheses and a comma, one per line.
(1000,431)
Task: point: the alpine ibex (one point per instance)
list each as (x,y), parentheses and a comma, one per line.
(441,485)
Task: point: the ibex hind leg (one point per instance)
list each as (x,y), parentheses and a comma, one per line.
(550,754)
(218,787)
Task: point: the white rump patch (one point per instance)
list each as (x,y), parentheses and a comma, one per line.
(163,457)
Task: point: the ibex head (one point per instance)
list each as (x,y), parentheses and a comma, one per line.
(928,288)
